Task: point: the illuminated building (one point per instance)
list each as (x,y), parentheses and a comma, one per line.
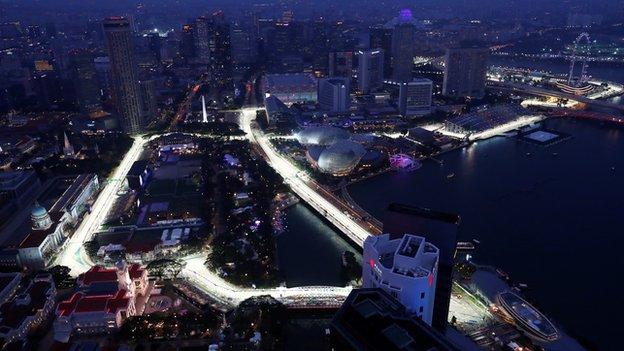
(291,88)
(465,71)
(405,268)
(105,298)
(370,70)
(340,158)
(333,94)
(125,85)
(438,228)
(413,98)
(51,229)
(403,38)
(202,40)
(321,135)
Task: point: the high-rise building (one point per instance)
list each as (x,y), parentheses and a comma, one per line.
(220,47)
(149,103)
(439,229)
(370,70)
(381,38)
(187,41)
(243,46)
(86,82)
(125,83)
(340,64)
(333,94)
(413,98)
(202,39)
(465,71)
(403,39)
(405,268)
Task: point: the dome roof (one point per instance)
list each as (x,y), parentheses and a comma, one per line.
(341,157)
(38,211)
(322,135)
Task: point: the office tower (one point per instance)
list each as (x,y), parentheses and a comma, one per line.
(220,47)
(154,46)
(405,268)
(149,103)
(125,83)
(465,71)
(187,41)
(370,70)
(413,98)
(202,39)
(403,39)
(86,82)
(340,64)
(243,46)
(333,94)
(439,229)
(372,320)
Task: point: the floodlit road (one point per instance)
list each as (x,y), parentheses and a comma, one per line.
(210,283)
(291,176)
(72,253)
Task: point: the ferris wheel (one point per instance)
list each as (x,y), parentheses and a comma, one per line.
(578,80)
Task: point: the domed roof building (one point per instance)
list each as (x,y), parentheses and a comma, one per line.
(341,158)
(321,135)
(40,218)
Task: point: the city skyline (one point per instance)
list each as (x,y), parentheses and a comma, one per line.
(330,176)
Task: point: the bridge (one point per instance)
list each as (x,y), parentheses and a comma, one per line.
(328,205)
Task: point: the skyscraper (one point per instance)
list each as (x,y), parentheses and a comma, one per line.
(243,46)
(148,99)
(439,229)
(413,98)
(370,70)
(403,38)
(125,83)
(333,94)
(406,268)
(381,38)
(187,41)
(86,82)
(202,39)
(465,71)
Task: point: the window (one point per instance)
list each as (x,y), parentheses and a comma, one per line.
(422,295)
(420,309)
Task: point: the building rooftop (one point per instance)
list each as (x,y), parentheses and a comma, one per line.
(24,303)
(371,319)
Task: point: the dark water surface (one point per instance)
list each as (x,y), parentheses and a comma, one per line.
(552,221)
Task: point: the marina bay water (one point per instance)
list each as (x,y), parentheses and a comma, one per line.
(550,216)
(310,250)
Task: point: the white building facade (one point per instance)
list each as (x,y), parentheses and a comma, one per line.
(406,268)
